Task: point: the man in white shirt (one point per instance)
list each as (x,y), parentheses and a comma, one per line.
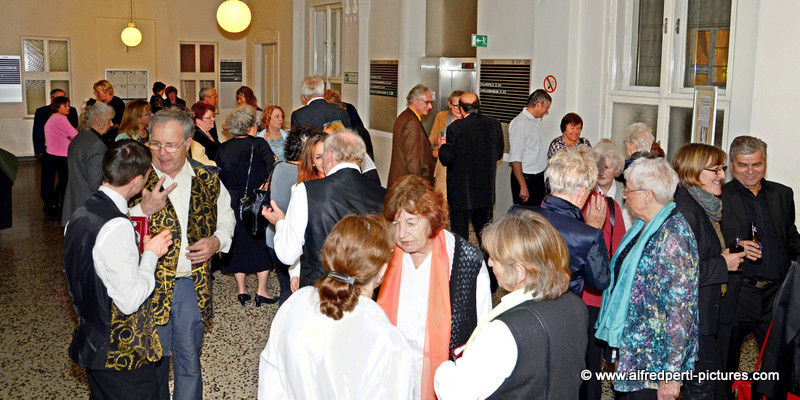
(108,281)
(527,152)
(196,208)
(343,191)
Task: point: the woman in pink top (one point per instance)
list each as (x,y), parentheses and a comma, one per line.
(58,133)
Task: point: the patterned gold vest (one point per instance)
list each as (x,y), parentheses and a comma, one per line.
(202,223)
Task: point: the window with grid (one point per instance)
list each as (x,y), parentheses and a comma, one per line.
(198,70)
(46,66)
(663,50)
(325,30)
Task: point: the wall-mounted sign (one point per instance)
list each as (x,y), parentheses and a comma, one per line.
(230,70)
(351,78)
(10,79)
(129,84)
(704,116)
(550,84)
(480,40)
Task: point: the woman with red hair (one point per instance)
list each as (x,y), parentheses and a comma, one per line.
(436,286)
(272,124)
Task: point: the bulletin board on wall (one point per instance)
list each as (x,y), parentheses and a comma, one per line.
(129,84)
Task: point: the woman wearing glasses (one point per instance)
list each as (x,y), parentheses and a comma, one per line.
(649,313)
(701,169)
(134,121)
(443,119)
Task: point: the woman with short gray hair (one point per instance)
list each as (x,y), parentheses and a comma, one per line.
(245,163)
(649,313)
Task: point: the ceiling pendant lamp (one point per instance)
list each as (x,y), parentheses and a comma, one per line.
(131,35)
(233,16)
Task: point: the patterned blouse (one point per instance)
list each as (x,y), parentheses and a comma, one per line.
(559,144)
(662,323)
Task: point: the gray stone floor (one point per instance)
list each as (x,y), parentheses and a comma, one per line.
(39,318)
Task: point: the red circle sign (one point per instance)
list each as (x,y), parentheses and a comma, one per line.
(550,83)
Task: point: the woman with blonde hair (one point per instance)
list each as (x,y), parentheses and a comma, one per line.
(271,125)
(701,170)
(532,344)
(134,121)
(334,331)
(443,119)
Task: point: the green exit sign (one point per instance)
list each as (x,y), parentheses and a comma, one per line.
(480,40)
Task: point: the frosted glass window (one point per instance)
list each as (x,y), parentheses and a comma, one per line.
(33,50)
(624,114)
(63,85)
(680,129)
(35,95)
(188,91)
(58,54)
(320,42)
(208,84)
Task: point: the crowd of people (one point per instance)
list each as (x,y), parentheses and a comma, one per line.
(608,262)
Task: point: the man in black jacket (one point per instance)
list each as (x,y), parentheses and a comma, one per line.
(317,205)
(473,146)
(317,112)
(750,200)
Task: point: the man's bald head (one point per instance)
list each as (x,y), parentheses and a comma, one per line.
(344,147)
(469,103)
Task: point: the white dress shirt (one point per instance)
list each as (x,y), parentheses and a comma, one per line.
(488,359)
(312,356)
(412,311)
(128,279)
(179,198)
(526,143)
(290,232)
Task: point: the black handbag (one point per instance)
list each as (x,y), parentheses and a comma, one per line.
(250,205)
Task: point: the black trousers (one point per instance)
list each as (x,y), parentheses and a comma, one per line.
(753,314)
(459,221)
(591,389)
(709,358)
(644,394)
(283,275)
(137,384)
(52,194)
(536,189)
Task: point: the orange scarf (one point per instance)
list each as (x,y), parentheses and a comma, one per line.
(437,326)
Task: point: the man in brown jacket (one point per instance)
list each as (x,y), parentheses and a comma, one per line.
(411,150)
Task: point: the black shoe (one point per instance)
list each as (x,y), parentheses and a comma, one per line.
(244,298)
(262,300)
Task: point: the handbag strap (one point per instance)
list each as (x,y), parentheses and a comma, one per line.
(247,182)
(268,183)
(546,351)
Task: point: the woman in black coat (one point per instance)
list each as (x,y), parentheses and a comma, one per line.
(701,169)
(245,162)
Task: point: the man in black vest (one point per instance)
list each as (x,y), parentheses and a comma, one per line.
(316,206)
(116,337)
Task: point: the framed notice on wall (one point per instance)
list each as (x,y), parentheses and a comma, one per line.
(704,115)
(129,84)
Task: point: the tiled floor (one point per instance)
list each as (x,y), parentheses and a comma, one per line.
(39,318)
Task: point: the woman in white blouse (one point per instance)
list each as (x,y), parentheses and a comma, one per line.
(331,341)
(532,345)
(437,286)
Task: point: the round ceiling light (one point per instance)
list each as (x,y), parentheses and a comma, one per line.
(233,16)
(131,35)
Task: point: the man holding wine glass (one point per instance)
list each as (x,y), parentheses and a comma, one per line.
(760,213)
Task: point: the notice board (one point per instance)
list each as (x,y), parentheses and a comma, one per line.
(129,84)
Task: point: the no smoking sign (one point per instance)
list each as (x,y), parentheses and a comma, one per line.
(550,83)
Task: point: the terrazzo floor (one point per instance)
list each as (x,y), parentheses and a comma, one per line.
(39,318)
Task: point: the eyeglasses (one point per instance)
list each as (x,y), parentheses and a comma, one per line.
(454,105)
(209,118)
(170,148)
(626,191)
(425,101)
(147,114)
(717,170)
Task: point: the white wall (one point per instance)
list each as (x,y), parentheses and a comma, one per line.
(775,90)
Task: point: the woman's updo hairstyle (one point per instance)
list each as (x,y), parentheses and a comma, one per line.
(358,246)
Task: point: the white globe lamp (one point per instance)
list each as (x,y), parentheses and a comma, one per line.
(233,16)
(131,35)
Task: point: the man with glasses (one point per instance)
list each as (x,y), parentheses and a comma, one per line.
(411,150)
(195,207)
(317,112)
(750,200)
(527,150)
